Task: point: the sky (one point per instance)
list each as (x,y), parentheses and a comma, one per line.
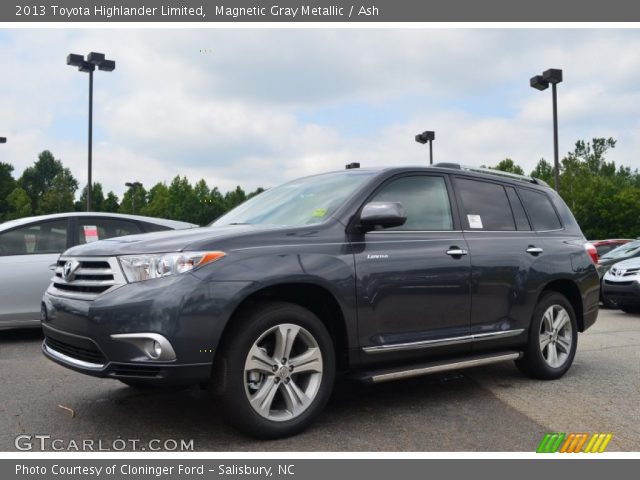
(257,107)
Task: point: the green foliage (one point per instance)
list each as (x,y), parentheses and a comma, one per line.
(507,165)
(36,180)
(111,203)
(18,204)
(59,196)
(97,199)
(7,185)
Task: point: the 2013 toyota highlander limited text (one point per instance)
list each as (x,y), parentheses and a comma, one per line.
(380,274)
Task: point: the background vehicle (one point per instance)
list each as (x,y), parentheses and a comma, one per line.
(381,273)
(623,252)
(621,285)
(605,246)
(30,247)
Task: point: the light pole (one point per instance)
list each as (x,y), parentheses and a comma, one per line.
(133,185)
(424,137)
(552,76)
(89,65)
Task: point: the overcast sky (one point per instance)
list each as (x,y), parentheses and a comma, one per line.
(256,107)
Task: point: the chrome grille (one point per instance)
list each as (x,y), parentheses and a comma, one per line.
(91,277)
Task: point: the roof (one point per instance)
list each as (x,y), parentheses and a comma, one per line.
(175,224)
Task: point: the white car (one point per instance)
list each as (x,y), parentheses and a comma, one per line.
(30,247)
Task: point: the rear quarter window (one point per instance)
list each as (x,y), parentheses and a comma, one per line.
(540,209)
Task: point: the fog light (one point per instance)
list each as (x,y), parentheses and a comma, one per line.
(156,349)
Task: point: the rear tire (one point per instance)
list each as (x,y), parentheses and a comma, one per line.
(275,370)
(553,338)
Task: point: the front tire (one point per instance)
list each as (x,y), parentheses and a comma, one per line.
(275,370)
(553,338)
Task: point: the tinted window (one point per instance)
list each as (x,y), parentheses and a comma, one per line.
(626,250)
(424,198)
(541,212)
(153,227)
(44,237)
(518,211)
(485,206)
(93,229)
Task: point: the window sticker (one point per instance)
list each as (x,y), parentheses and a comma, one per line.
(319,212)
(30,242)
(475,221)
(90,233)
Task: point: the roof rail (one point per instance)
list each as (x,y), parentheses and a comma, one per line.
(491,171)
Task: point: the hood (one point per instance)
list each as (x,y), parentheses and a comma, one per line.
(629,263)
(162,242)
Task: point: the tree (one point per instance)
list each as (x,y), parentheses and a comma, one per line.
(19,204)
(158,201)
(36,180)
(97,199)
(234,198)
(7,185)
(183,204)
(543,171)
(111,203)
(134,200)
(60,194)
(507,165)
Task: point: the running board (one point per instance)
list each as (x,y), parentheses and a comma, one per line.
(435,367)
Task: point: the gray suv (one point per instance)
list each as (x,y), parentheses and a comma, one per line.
(380,274)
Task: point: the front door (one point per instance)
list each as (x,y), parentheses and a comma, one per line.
(413,281)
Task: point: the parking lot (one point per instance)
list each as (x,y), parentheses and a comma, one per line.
(490,408)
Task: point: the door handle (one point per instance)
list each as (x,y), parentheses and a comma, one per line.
(456,252)
(534,250)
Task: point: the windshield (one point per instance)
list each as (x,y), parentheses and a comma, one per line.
(306,201)
(626,250)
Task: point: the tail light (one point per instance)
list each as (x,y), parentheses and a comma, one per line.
(593,253)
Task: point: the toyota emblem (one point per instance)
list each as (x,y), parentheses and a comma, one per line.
(69,270)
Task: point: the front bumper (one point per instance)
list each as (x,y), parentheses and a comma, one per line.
(86,336)
(626,292)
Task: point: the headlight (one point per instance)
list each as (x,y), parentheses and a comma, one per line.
(144,267)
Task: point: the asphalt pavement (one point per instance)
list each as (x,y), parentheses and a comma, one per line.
(491,408)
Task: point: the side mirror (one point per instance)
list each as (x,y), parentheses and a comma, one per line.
(378,215)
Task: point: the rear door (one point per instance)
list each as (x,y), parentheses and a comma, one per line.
(503,251)
(413,280)
(27,254)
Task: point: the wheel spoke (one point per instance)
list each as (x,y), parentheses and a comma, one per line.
(285,338)
(552,355)
(561,320)
(263,398)
(548,319)
(545,338)
(564,343)
(309,361)
(295,399)
(259,361)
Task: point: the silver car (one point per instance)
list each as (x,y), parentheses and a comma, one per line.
(30,247)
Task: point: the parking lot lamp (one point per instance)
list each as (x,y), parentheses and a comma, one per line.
(133,186)
(92,61)
(552,76)
(424,137)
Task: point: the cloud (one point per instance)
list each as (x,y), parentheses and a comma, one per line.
(255,107)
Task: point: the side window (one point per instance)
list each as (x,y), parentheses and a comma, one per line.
(485,206)
(93,229)
(43,237)
(518,211)
(424,198)
(541,212)
(154,227)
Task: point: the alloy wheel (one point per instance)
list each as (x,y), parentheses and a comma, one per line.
(556,336)
(283,372)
